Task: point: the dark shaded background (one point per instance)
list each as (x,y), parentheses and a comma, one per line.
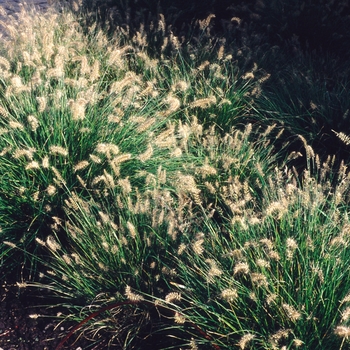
(318,24)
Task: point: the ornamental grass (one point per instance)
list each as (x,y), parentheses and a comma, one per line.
(154,199)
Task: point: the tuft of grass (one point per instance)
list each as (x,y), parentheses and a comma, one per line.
(277,278)
(75,105)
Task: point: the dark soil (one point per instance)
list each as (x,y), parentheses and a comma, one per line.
(26,325)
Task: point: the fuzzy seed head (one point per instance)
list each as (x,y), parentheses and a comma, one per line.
(34,316)
(262,263)
(67,259)
(125,185)
(291,312)
(5,63)
(41,242)
(280,334)
(52,244)
(21,284)
(214,270)
(248,76)
(346,299)
(33,122)
(10,244)
(95,71)
(345,316)
(95,159)
(45,162)
(81,165)
(203,66)
(273,255)
(5,150)
(16,125)
(145,125)
(132,296)
(121,158)
(58,150)
(32,165)
(78,108)
(180,86)
(291,247)
(259,279)
(203,102)
(132,229)
(229,294)
(146,155)
(41,104)
(221,52)
(342,137)
(3,112)
(104,217)
(179,318)
(59,179)
(173,297)
(342,331)
(241,268)
(298,343)
(271,298)
(197,246)
(174,104)
(182,247)
(236,20)
(16,82)
(27,153)
(277,209)
(108,179)
(245,340)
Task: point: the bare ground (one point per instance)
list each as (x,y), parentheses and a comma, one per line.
(27,324)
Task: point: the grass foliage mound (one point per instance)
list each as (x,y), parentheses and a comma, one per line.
(166,199)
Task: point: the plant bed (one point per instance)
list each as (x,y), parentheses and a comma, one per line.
(161,198)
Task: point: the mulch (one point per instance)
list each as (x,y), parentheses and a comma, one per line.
(27,324)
